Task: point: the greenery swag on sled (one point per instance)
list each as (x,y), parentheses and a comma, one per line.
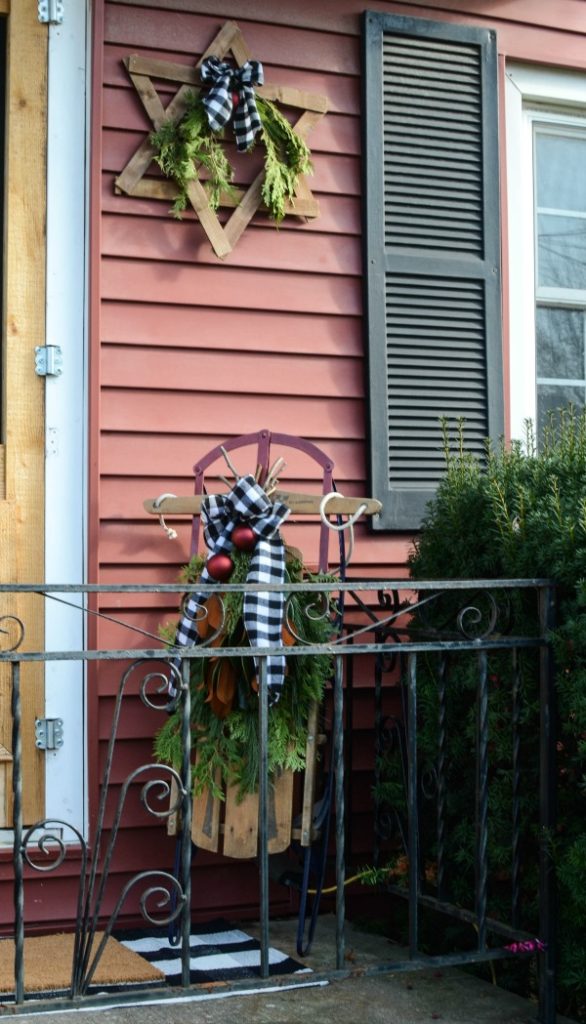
(224,708)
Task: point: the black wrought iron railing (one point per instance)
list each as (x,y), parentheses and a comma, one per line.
(408,631)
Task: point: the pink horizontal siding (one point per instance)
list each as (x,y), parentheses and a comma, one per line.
(342,16)
(133,237)
(173,326)
(145,281)
(338,215)
(189,349)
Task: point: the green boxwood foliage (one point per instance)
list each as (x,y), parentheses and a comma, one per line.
(520,515)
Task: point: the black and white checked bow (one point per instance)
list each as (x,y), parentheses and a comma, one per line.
(226,81)
(263,610)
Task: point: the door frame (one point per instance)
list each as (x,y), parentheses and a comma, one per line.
(42,450)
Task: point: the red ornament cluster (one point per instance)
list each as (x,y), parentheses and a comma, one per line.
(220,567)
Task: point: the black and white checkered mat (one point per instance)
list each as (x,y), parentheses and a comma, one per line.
(218,952)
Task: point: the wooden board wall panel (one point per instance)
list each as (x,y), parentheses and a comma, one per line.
(126,542)
(136,721)
(131,411)
(144,281)
(55,903)
(342,16)
(336,133)
(259,331)
(342,91)
(122,495)
(192,34)
(552,38)
(153,459)
(173,241)
(334,173)
(184,370)
(339,214)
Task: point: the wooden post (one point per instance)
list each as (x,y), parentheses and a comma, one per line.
(22,486)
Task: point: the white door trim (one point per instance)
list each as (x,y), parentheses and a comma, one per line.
(66,403)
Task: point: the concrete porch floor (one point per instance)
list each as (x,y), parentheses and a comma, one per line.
(449,996)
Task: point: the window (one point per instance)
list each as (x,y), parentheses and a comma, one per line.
(546,156)
(432,251)
(560,280)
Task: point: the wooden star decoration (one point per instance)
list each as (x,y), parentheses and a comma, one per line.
(132,180)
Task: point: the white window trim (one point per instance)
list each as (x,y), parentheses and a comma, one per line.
(548,96)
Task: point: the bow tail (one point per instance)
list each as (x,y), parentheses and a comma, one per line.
(264,611)
(247,121)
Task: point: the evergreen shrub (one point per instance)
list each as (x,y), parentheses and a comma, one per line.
(521,514)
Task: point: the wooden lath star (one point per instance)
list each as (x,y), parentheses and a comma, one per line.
(132,180)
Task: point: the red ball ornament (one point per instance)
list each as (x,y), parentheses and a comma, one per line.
(243,537)
(220,567)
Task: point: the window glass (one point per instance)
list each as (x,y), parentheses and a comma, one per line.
(560,220)
(560,342)
(561,251)
(551,398)
(560,163)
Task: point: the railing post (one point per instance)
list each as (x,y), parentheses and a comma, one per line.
(516,794)
(482,799)
(412,805)
(338,766)
(547,809)
(263,809)
(186,820)
(378,750)
(441,773)
(17,826)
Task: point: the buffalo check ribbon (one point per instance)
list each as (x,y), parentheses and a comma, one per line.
(263,610)
(226,83)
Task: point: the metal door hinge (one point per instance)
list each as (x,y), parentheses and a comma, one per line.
(48,360)
(50,12)
(48,733)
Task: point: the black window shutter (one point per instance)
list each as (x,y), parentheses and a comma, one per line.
(432,271)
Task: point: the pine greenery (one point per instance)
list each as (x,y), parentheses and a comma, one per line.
(286,157)
(520,515)
(189,143)
(185,146)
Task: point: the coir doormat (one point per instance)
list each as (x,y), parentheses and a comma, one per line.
(48,966)
(218,953)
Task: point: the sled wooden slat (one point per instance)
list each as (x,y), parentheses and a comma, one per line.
(280,812)
(300,504)
(173,827)
(240,825)
(161,188)
(309,780)
(205,821)
(5,782)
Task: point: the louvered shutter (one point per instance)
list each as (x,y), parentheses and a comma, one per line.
(432,269)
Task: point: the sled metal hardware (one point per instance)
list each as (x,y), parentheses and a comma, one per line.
(48,733)
(51,12)
(48,360)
